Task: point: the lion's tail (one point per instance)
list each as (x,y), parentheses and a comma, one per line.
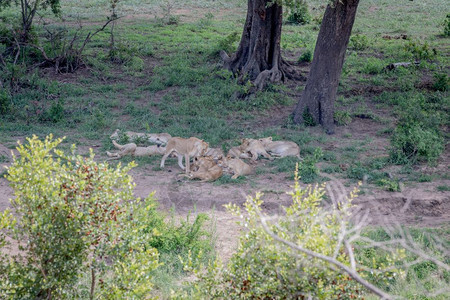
(120,147)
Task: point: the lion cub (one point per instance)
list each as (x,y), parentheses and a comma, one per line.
(132,149)
(280,148)
(206,169)
(255,148)
(237,166)
(191,147)
(215,153)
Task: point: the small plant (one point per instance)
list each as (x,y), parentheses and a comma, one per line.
(420,51)
(373,66)
(56,111)
(342,118)
(306,56)
(446,25)
(391,185)
(308,119)
(308,169)
(411,143)
(358,42)
(299,14)
(5,102)
(441,82)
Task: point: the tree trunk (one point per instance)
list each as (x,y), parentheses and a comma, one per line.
(258,56)
(321,87)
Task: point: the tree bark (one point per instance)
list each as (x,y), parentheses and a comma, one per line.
(321,86)
(258,56)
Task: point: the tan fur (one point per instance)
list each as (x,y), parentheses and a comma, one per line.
(215,153)
(280,148)
(206,169)
(191,147)
(132,149)
(157,138)
(238,153)
(237,166)
(255,148)
(203,163)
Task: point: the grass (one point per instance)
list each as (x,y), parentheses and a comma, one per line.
(419,280)
(168,78)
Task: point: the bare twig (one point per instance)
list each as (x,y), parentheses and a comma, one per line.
(352,273)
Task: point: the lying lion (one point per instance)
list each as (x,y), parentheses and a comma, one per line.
(238,153)
(205,169)
(215,153)
(134,150)
(280,148)
(191,147)
(156,138)
(235,166)
(255,148)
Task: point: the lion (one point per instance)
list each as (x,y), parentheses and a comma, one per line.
(191,147)
(238,153)
(280,148)
(215,153)
(156,138)
(206,169)
(134,150)
(255,148)
(236,166)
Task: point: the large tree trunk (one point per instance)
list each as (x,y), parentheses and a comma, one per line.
(258,56)
(321,87)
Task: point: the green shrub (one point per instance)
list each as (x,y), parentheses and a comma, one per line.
(299,14)
(358,42)
(441,82)
(76,223)
(263,268)
(306,56)
(342,118)
(307,169)
(420,51)
(412,143)
(391,185)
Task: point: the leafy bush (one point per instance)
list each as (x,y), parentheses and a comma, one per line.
(74,219)
(306,56)
(299,13)
(263,269)
(411,143)
(358,42)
